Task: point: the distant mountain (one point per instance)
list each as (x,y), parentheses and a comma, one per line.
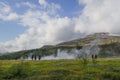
(47,46)
(109,44)
(105,38)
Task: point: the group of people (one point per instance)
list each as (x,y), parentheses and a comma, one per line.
(34,57)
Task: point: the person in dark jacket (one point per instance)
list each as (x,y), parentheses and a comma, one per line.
(94,57)
(32,57)
(39,57)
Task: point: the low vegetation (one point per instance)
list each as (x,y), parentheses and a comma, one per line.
(102,69)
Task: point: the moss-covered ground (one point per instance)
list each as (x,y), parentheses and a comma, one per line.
(102,69)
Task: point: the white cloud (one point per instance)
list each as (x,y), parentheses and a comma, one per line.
(43,3)
(28,4)
(6,13)
(11,16)
(4,8)
(41,27)
(97,16)
(50,8)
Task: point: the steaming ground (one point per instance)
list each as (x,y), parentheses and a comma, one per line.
(61,55)
(86,52)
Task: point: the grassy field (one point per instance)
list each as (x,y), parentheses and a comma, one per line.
(102,69)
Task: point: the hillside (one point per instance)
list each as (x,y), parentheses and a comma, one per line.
(104,37)
(109,47)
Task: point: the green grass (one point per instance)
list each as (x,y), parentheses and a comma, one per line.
(103,69)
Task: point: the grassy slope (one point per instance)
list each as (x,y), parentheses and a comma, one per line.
(60,70)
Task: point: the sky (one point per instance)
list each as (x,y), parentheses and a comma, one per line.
(29,24)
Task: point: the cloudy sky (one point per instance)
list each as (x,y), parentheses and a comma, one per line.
(28,24)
